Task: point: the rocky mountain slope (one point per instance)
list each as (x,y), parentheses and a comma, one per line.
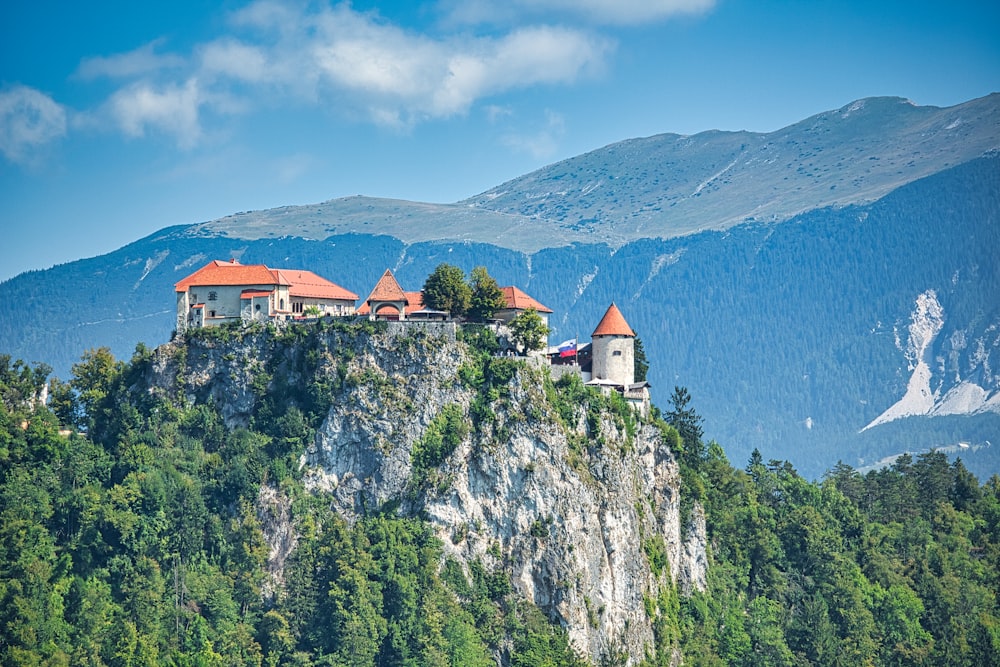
(575,499)
(669,185)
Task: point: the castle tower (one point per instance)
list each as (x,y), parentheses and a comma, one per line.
(613,346)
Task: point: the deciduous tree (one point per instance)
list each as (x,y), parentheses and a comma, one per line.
(487,298)
(446,289)
(529,331)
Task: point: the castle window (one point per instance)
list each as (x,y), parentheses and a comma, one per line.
(257,307)
(296,306)
(616,353)
(213,296)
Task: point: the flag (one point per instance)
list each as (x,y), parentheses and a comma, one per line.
(567,348)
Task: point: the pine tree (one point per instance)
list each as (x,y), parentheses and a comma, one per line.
(688,424)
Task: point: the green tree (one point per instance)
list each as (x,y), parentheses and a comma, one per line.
(94,379)
(62,402)
(528,331)
(688,423)
(487,298)
(445,289)
(640,363)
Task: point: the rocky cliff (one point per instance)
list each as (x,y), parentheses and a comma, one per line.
(565,490)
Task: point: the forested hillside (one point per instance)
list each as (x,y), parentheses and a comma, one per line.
(143,541)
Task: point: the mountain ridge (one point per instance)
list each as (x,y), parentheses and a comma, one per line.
(680,184)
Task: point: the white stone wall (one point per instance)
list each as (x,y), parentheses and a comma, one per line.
(508,314)
(326,306)
(614,359)
(182,312)
(226,305)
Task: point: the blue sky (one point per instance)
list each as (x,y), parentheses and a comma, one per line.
(121,118)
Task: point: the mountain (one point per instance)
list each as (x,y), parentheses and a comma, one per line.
(670,185)
(800,283)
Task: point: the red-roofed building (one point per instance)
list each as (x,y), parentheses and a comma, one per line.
(613,343)
(613,359)
(518,302)
(221,292)
(387,300)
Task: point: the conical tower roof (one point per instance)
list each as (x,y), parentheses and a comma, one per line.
(613,324)
(387,289)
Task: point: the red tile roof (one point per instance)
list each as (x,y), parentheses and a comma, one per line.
(308,284)
(387,289)
(250,294)
(231,273)
(613,324)
(518,300)
(234,274)
(414,302)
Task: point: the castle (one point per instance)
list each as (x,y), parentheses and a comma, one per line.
(222,292)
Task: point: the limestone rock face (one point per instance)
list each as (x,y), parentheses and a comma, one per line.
(694,557)
(567,522)
(363,448)
(579,507)
(219,372)
(274,511)
(571,536)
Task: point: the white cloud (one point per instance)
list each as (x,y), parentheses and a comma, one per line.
(351,62)
(141,61)
(29,119)
(231,58)
(172,109)
(405,77)
(599,12)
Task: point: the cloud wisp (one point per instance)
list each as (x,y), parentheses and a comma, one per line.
(171,108)
(541,144)
(355,63)
(29,119)
(138,62)
(594,12)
